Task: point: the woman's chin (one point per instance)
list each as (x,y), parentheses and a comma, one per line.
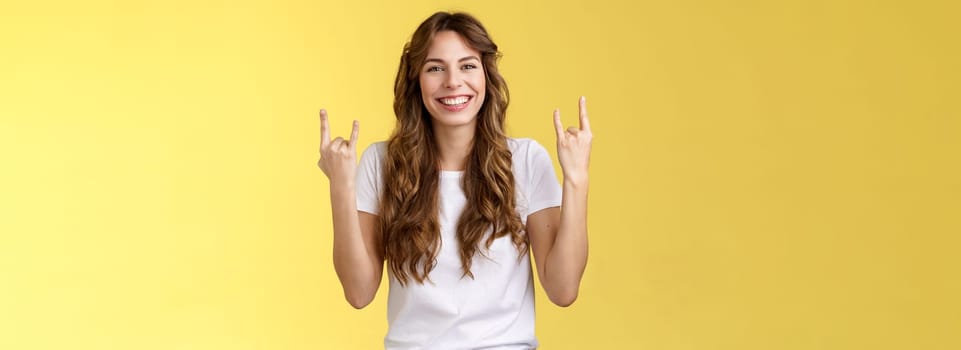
(453,118)
(462,118)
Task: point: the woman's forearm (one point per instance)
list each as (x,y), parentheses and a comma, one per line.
(568,256)
(352,257)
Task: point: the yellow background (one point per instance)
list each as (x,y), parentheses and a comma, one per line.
(765,175)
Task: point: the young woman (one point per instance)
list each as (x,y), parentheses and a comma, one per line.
(454,205)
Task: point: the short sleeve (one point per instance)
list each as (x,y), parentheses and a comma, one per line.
(369,181)
(545,191)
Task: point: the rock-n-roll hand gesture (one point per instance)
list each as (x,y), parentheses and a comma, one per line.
(338,157)
(574,145)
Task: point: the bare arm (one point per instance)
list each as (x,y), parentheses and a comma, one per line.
(559,235)
(358,257)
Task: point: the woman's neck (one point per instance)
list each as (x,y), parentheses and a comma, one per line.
(454,145)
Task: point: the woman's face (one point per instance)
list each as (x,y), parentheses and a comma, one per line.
(452,80)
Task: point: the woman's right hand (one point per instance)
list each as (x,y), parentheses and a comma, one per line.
(338,158)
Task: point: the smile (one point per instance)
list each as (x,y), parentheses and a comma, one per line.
(455,103)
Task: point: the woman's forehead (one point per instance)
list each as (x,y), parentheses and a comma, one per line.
(450,46)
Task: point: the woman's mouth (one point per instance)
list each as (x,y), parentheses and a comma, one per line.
(455,103)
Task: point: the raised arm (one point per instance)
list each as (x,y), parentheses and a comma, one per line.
(559,235)
(358,257)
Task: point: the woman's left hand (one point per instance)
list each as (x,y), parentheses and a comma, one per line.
(574,145)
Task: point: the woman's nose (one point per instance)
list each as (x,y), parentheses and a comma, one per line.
(453,80)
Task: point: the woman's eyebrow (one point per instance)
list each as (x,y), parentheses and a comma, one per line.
(438,60)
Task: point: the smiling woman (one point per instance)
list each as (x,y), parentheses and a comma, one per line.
(455,206)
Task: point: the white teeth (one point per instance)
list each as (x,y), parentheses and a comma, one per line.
(454,101)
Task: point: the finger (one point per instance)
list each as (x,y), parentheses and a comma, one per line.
(337,143)
(558,127)
(572,130)
(582,104)
(353,136)
(324,128)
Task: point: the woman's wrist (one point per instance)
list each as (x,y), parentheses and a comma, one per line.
(342,188)
(577,181)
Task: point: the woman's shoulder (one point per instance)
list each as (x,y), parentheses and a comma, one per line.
(373,156)
(524,147)
(377,149)
(378,145)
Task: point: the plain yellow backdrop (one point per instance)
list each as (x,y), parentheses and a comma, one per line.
(765,175)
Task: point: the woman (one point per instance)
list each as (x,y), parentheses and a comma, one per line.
(454,205)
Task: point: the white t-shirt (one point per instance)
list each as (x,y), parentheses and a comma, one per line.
(495,310)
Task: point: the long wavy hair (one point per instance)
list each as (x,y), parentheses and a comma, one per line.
(409,206)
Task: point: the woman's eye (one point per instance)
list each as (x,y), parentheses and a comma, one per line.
(470,66)
(433,69)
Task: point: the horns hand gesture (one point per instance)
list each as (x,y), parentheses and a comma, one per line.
(574,145)
(338,158)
